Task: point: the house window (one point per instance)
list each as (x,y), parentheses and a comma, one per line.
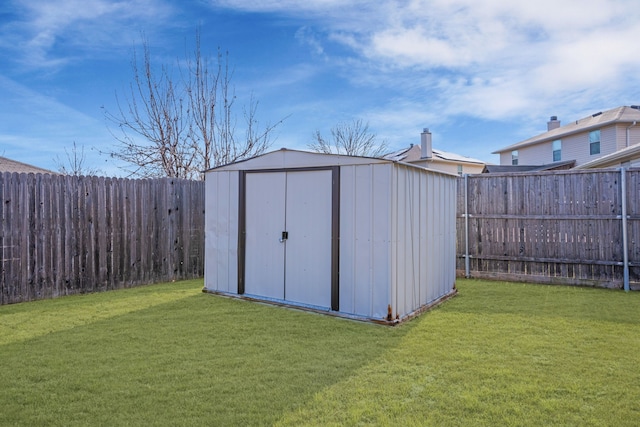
(460,170)
(557,150)
(514,157)
(594,142)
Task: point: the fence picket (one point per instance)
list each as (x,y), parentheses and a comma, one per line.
(552,227)
(62,235)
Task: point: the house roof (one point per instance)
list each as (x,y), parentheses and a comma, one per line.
(617,115)
(414,153)
(629,153)
(567,164)
(8,165)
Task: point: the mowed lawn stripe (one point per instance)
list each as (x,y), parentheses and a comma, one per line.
(27,320)
(497,354)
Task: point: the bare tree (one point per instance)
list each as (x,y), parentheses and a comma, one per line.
(179,126)
(352,139)
(75,163)
(211,102)
(153,123)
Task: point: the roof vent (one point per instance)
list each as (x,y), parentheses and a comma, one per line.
(636,107)
(596,114)
(554,118)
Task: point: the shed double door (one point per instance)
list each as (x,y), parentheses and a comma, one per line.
(288,236)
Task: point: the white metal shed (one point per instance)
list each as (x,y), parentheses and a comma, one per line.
(359,237)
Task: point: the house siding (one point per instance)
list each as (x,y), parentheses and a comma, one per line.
(578,145)
(634,135)
(451,166)
(505,158)
(574,147)
(537,154)
(621,135)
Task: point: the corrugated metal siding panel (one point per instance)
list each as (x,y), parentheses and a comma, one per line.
(430,259)
(348,221)
(382,242)
(221,231)
(364,239)
(423,250)
(362,236)
(426,185)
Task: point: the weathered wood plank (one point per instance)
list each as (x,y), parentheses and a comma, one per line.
(61,235)
(564,224)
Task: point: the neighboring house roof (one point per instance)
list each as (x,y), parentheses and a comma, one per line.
(413,153)
(568,164)
(8,165)
(617,157)
(617,115)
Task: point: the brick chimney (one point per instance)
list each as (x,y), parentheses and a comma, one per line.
(425,144)
(553,123)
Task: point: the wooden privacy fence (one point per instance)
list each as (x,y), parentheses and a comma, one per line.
(64,235)
(566,227)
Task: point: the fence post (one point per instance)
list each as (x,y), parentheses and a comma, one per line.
(466,226)
(625,241)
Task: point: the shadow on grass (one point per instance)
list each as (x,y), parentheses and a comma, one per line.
(498,354)
(197,360)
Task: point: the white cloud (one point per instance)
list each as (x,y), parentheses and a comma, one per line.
(92,25)
(499,58)
(306,36)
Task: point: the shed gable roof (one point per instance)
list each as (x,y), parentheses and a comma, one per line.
(285,158)
(617,115)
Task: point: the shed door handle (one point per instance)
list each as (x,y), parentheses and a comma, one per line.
(285,236)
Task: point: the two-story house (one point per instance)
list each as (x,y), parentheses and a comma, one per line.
(426,156)
(604,139)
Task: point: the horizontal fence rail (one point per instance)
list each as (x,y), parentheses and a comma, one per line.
(562,227)
(63,235)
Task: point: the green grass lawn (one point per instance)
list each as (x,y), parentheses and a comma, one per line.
(497,354)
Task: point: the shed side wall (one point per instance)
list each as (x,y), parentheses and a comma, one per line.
(423,236)
(221,231)
(365,239)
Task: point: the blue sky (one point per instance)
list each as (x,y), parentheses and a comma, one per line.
(481,74)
